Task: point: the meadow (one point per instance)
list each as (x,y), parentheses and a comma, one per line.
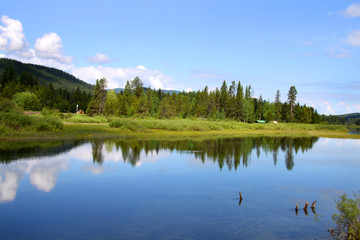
(71,126)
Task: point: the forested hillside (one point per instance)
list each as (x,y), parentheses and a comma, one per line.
(29,93)
(34,87)
(46,75)
(350,118)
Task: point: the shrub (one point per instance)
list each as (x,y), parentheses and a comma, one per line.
(348,218)
(86,119)
(17,121)
(117,123)
(127,124)
(7,105)
(27,101)
(48,124)
(49,112)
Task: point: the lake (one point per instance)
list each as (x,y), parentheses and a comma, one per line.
(174,189)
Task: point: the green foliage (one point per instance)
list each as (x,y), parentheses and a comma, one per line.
(27,101)
(240,115)
(7,105)
(111,103)
(12,122)
(127,124)
(226,103)
(15,120)
(224,98)
(137,87)
(79,118)
(97,103)
(48,124)
(249,110)
(64,99)
(348,218)
(292,99)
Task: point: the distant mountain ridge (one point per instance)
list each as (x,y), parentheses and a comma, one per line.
(349,116)
(46,75)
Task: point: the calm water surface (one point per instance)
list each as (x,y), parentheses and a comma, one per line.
(129,189)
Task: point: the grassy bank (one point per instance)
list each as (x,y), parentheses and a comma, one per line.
(84,127)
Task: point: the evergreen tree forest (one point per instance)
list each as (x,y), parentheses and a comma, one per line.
(228,102)
(26,91)
(233,101)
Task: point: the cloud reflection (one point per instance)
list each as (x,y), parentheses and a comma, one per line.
(9,183)
(42,173)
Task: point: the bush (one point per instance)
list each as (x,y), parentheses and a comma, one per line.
(86,119)
(17,121)
(7,105)
(49,112)
(348,218)
(127,124)
(27,101)
(48,124)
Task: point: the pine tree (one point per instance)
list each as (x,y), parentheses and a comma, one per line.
(97,103)
(110,103)
(240,102)
(249,109)
(137,87)
(292,99)
(149,102)
(259,114)
(224,98)
(278,114)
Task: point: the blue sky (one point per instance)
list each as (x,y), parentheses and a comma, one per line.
(186,45)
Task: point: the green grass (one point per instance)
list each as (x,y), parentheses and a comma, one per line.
(177,128)
(79,118)
(208,125)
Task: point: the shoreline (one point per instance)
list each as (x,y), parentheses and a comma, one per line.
(84,131)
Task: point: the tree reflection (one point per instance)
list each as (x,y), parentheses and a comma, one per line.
(97,146)
(229,152)
(226,152)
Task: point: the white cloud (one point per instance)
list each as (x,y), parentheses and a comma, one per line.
(98,58)
(47,51)
(12,37)
(352,11)
(117,77)
(354,38)
(49,47)
(141,67)
(338,52)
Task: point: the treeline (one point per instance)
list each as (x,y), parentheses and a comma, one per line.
(26,91)
(228,102)
(348,119)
